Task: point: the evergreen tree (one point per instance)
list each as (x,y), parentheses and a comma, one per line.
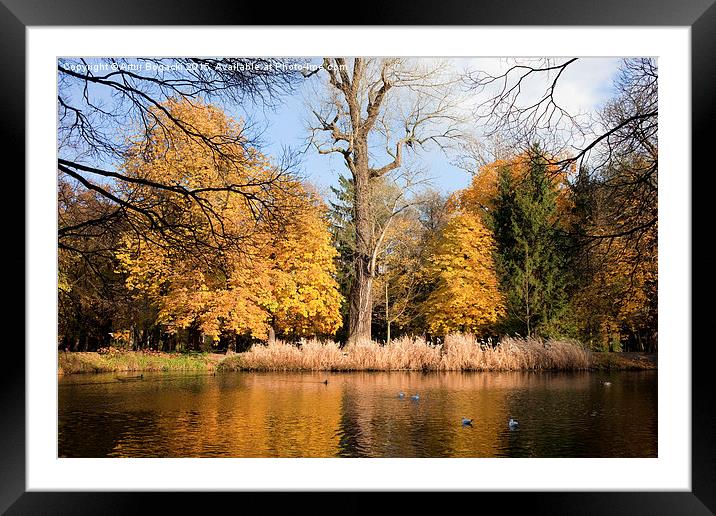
(342,229)
(530,253)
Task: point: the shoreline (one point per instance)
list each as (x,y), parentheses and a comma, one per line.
(260,359)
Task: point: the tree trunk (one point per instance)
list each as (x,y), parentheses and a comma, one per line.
(195,339)
(355,90)
(361,295)
(387,315)
(361,302)
(527,288)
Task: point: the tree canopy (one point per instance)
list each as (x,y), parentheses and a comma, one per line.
(177,229)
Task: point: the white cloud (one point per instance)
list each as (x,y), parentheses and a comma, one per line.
(582,87)
(586,83)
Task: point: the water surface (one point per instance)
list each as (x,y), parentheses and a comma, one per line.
(358,415)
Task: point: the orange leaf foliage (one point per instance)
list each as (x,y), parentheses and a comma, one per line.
(280,274)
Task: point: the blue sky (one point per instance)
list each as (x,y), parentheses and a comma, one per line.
(583,87)
(286,127)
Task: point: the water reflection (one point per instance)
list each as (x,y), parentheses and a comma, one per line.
(359,415)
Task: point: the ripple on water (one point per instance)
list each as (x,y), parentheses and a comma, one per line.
(359,415)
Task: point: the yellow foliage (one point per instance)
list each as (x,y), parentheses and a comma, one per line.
(467,297)
(618,301)
(281,274)
(305,297)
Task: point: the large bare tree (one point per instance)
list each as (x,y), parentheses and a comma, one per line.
(372,111)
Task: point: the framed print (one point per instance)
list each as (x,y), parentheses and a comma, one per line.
(441,264)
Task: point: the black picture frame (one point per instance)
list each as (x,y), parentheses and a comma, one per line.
(17,15)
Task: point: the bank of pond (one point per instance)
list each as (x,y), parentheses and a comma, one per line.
(455,353)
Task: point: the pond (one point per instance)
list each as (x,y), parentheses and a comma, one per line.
(358,415)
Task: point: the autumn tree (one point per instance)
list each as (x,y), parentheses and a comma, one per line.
(101,103)
(284,286)
(394,100)
(467,295)
(616,223)
(265,270)
(615,303)
(399,279)
(305,296)
(101,100)
(90,294)
(615,151)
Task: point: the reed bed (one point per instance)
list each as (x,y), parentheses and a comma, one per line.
(459,352)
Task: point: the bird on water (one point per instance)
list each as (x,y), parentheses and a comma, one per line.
(466,422)
(513,424)
(415,397)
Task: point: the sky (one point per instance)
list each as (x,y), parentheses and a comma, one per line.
(583,87)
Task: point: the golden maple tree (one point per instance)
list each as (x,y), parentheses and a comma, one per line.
(270,262)
(467,296)
(304,293)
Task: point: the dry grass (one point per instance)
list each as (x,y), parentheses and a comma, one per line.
(72,363)
(458,353)
(462,352)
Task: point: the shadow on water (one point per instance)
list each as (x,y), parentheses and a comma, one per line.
(359,415)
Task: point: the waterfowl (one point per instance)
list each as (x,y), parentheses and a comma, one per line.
(513,424)
(466,422)
(325,382)
(401,395)
(415,397)
(607,384)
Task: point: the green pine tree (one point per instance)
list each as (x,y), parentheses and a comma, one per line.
(343,231)
(530,248)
